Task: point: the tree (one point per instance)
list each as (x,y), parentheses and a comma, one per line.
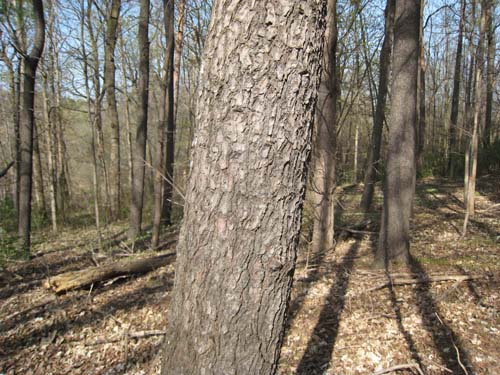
(324,146)
(490,70)
(378,120)
(237,247)
(166,128)
(139,157)
(452,130)
(399,188)
(30,64)
(109,84)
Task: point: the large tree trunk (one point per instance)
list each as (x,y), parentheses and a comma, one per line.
(324,146)
(237,248)
(452,131)
(373,161)
(401,164)
(109,84)
(30,63)
(139,157)
(165,130)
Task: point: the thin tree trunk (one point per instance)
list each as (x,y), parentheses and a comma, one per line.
(30,63)
(471,160)
(40,189)
(490,71)
(166,128)
(378,122)
(452,135)
(109,84)
(50,154)
(324,146)
(179,39)
(237,247)
(394,239)
(137,193)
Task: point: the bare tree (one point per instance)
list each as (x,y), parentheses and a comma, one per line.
(139,157)
(399,188)
(109,84)
(378,121)
(30,64)
(324,146)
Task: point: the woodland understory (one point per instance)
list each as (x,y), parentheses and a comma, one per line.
(344,317)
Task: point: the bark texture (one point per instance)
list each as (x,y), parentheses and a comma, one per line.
(373,161)
(490,70)
(401,164)
(324,146)
(139,157)
(237,246)
(109,84)
(30,64)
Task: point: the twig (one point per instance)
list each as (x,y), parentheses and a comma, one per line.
(399,368)
(456,349)
(424,280)
(130,335)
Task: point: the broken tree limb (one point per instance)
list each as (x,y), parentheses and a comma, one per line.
(422,280)
(406,366)
(4,171)
(77,279)
(132,335)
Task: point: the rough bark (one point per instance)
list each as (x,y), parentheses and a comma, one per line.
(237,247)
(373,161)
(179,41)
(166,128)
(109,85)
(452,131)
(324,147)
(30,64)
(78,279)
(399,185)
(139,157)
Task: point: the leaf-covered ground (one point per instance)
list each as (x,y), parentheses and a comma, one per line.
(345,316)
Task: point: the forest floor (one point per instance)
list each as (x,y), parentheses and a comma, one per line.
(345,316)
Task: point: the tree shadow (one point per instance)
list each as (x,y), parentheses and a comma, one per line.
(317,355)
(445,340)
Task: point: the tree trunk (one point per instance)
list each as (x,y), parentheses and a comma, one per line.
(471,159)
(166,128)
(40,189)
(30,63)
(109,84)
(400,174)
(378,122)
(452,135)
(490,71)
(139,157)
(324,147)
(179,39)
(237,248)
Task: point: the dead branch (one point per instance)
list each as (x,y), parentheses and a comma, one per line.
(77,279)
(132,335)
(406,366)
(422,280)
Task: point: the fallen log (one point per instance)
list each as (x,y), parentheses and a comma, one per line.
(77,279)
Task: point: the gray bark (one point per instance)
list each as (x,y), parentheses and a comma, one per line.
(237,247)
(394,239)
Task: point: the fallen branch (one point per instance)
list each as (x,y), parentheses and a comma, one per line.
(132,335)
(422,280)
(77,279)
(399,368)
(4,171)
